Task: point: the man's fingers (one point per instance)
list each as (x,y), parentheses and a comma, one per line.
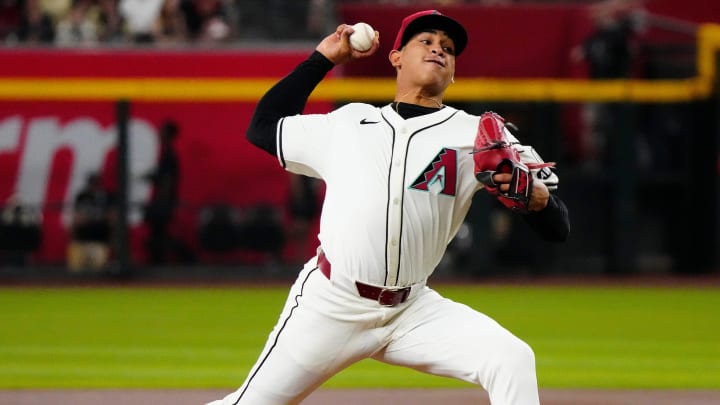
(502,178)
(503,181)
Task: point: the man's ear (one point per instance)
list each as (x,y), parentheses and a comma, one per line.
(394,58)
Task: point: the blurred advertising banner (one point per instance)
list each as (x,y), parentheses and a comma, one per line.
(49,148)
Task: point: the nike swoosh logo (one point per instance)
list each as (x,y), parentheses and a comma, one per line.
(364,121)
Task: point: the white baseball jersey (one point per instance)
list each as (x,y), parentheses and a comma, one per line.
(391,186)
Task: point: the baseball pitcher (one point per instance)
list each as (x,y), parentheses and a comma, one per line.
(399,182)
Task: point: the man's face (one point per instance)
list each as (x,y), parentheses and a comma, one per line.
(428,58)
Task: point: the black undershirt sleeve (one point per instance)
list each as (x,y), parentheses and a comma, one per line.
(287,97)
(553,222)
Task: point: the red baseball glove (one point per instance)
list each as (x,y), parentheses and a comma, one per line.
(494,153)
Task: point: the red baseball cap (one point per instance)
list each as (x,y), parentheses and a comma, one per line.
(431,19)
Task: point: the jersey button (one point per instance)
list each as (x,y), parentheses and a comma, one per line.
(393,242)
(396,201)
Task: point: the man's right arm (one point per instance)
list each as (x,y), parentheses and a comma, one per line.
(285,98)
(289,95)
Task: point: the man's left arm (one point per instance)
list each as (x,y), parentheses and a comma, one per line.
(552,222)
(547,213)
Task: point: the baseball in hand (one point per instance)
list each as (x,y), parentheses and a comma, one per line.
(362,38)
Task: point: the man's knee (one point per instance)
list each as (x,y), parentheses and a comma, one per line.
(511,361)
(515,381)
(514,360)
(519,357)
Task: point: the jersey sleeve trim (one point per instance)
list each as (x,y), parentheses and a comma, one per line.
(280,154)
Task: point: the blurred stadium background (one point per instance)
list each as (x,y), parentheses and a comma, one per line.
(621,94)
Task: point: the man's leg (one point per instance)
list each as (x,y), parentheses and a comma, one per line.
(438,336)
(312,341)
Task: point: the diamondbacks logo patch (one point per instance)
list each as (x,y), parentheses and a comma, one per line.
(440,176)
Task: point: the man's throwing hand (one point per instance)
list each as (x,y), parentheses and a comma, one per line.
(336,46)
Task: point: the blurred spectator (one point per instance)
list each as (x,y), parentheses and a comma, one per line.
(24,21)
(318,18)
(110,22)
(79,27)
(315,20)
(299,19)
(283,20)
(141,19)
(609,53)
(207,20)
(609,49)
(36,26)
(257,229)
(56,9)
(161,246)
(172,25)
(261,230)
(219,228)
(89,22)
(94,215)
(11,16)
(20,231)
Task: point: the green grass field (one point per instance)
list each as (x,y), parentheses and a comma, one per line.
(584,337)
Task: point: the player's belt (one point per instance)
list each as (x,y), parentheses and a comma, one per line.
(388,297)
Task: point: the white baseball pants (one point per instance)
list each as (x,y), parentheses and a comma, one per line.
(326,327)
